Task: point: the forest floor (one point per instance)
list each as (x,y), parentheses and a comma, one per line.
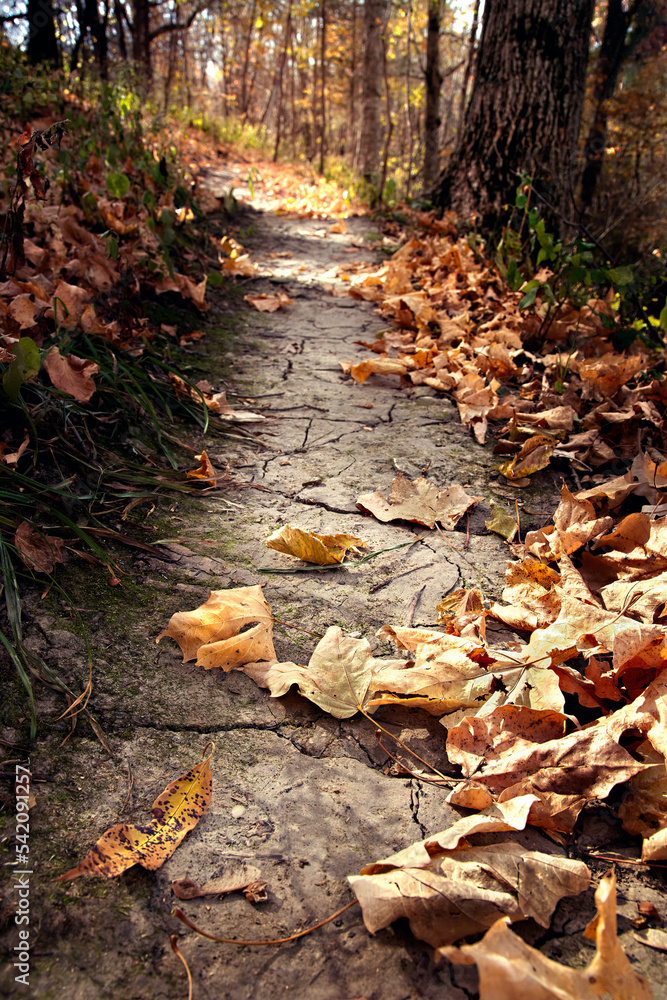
(303,797)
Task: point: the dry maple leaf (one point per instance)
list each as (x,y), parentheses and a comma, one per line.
(449,894)
(211,632)
(419,501)
(175,812)
(323,550)
(509,969)
(269,303)
(38,551)
(71,375)
(337,678)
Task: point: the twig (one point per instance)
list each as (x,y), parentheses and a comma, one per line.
(410,613)
(415,774)
(181,916)
(318,635)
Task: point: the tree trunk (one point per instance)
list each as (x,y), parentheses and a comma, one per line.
(376,14)
(323,83)
(42,43)
(612,52)
(141,38)
(433,87)
(525,108)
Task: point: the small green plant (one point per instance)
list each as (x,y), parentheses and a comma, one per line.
(551,272)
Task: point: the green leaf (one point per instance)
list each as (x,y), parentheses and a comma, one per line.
(531,293)
(662,318)
(514,278)
(215,279)
(621,276)
(118,185)
(25,366)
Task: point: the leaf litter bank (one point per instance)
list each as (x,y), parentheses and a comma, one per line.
(523,689)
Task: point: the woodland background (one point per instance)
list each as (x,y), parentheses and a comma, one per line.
(375,94)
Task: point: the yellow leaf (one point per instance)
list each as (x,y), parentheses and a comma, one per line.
(175,812)
(323,550)
(211,632)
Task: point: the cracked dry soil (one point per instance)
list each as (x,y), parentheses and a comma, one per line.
(305,798)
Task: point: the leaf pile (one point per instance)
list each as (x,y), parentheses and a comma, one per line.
(457,327)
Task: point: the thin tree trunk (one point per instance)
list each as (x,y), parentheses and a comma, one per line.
(323,84)
(408,90)
(390,121)
(433,90)
(141,45)
(469,65)
(42,42)
(376,13)
(613,50)
(122,44)
(352,117)
(243,109)
(281,70)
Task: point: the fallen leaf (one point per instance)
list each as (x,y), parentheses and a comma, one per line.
(323,550)
(71,375)
(211,632)
(449,894)
(37,550)
(269,303)
(338,676)
(68,304)
(338,227)
(377,366)
(643,811)
(175,812)
(238,879)
(502,524)
(653,937)
(509,969)
(419,501)
(205,470)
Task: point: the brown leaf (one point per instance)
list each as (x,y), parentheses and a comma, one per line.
(175,812)
(68,304)
(235,880)
(269,303)
(509,969)
(419,501)
(71,375)
(643,811)
(211,632)
(38,551)
(323,550)
(534,455)
(448,894)
(563,772)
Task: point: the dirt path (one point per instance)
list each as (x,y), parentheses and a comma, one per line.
(303,797)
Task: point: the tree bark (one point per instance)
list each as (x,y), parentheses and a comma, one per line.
(42,42)
(141,38)
(433,88)
(376,14)
(525,108)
